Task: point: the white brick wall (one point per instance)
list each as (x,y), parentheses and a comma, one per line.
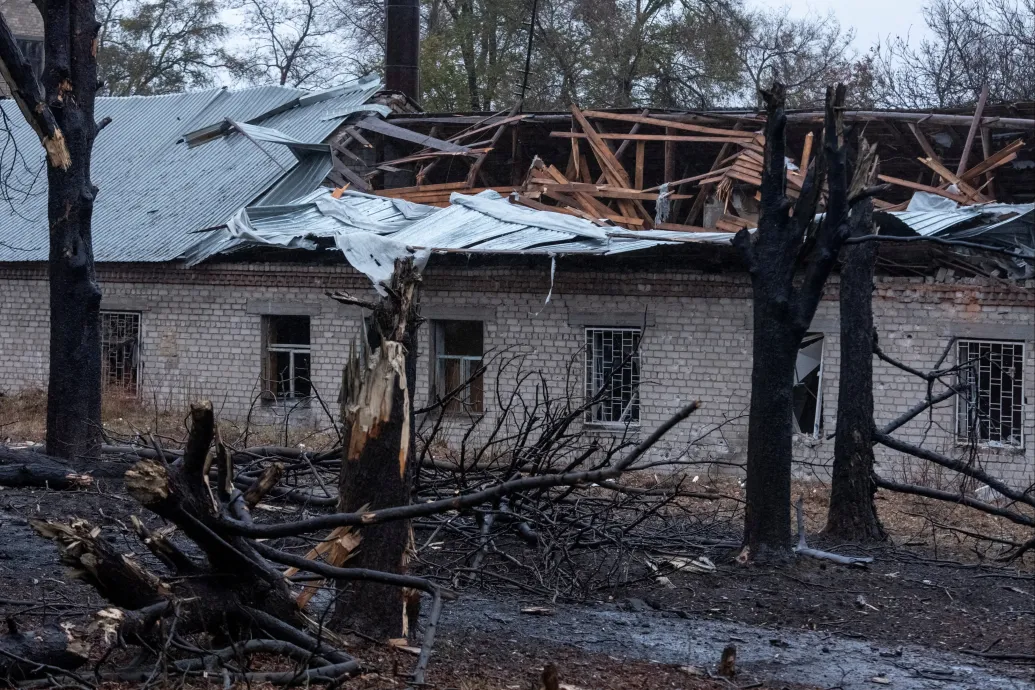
(199,340)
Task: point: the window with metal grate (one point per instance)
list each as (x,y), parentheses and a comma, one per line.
(613,375)
(990,404)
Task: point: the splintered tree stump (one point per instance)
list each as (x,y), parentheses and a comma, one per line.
(377,411)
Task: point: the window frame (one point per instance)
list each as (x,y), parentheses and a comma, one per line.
(963,439)
(292,350)
(436,369)
(137,368)
(817,417)
(590,389)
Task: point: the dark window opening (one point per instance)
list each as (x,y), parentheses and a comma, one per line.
(287,357)
(32,49)
(120,351)
(808,385)
(990,405)
(459,348)
(613,375)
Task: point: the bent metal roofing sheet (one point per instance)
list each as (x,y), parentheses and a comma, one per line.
(154,190)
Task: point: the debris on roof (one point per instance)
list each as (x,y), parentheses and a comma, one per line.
(352,222)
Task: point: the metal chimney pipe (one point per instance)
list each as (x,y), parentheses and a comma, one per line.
(402,47)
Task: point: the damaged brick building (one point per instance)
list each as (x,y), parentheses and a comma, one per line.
(218,237)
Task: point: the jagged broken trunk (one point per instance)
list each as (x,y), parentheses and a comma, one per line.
(378,444)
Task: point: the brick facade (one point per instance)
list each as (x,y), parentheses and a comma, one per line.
(201,337)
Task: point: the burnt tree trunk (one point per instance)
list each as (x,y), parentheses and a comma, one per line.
(377,413)
(852,515)
(61,112)
(783,309)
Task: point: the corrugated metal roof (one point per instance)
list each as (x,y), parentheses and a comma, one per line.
(482,223)
(154,190)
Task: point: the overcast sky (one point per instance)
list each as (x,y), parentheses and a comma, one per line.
(872,19)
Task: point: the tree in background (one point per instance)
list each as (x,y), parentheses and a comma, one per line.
(287,42)
(60,110)
(157,47)
(806,54)
(970,45)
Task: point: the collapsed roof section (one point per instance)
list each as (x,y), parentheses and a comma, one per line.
(372,231)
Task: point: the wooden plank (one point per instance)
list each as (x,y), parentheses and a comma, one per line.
(695,178)
(1001,157)
(959,198)
(599,115)
(522,200)
(625,144)
(608,192)
(986,151)
(478,130)
(950,178)
(613,169)
(605,158)
(679,227)
(641,147)
(609,136)
(922,140)
(373,124)
(806,153)
(974,125)
(476,167)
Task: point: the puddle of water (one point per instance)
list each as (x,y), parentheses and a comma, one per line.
(782,655)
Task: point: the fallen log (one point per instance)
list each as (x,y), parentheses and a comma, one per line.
(50,650)
(31,469)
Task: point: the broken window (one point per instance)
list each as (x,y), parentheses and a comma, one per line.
(808,385)
(287,357)
(120,351)
(613,375)
(459,348)
(989,408)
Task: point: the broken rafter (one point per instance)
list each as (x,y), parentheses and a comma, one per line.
(916,186)
(373,124)
(672,138)
(670,124)
(974,126)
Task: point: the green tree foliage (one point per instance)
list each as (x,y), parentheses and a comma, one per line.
(157,47)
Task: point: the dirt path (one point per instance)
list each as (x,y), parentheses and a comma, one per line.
(772,655)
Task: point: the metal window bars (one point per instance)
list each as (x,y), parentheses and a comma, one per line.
(613,375)
(120,351)
(990,405)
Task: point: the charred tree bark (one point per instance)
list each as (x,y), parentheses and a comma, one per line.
(25,468)
(784,305)
(852,515)
(31,653)
(61,112)
(377,413)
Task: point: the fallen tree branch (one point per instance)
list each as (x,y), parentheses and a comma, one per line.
(416,510)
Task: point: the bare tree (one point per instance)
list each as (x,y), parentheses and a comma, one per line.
(157,47)
(286,42)
(67,134)
(806,54)
(970,45)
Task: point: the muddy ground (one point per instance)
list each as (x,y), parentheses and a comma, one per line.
(905,622)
